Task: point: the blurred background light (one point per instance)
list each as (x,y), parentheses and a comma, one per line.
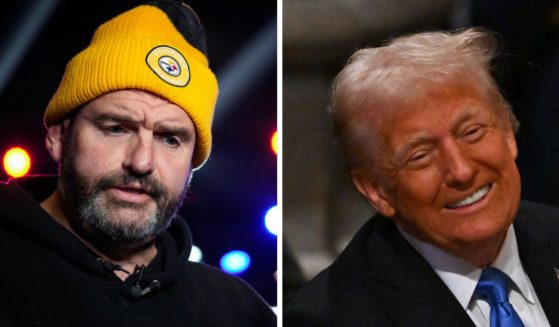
(17,162)
(272,220)
(235,262)
(274,142)
(196,254)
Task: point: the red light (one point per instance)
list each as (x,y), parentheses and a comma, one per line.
(274,142)
(17,162)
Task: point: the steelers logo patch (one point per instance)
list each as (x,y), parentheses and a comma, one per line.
(169,65)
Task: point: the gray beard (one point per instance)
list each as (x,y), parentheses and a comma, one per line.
(91,211)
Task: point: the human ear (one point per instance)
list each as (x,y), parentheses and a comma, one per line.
(54,140)
(511,142)
(367,185)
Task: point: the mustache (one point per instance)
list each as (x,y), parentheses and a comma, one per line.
(149,184)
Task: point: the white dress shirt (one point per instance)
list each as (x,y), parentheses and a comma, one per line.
(461,278)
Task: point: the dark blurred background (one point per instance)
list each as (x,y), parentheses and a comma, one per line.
(230,195)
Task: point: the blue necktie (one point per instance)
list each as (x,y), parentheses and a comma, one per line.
(493,288)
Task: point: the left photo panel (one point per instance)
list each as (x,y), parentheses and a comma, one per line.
(139,163)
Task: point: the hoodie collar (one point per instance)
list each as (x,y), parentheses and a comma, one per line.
(23,196)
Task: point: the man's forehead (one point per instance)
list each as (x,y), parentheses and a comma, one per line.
(390,128)
(433,101)
(136,105)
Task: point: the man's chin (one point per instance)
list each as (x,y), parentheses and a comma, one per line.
(122,222)
(133,218)
(117,232)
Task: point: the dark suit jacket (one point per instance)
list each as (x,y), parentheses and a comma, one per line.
(380,280)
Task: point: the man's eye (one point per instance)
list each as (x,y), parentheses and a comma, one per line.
(114,130)
(418,156)
(474,133)
(418,160)
(171,141)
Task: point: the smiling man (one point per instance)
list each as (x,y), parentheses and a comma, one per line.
(430,144)
(102,245)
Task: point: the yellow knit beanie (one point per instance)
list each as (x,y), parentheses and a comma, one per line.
(147,48)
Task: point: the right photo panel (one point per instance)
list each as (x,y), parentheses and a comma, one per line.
(419,163)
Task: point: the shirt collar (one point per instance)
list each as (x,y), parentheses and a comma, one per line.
(508,261)
(461,277)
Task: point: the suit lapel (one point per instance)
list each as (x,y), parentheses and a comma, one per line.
(539,252)
(415,295)
(427,301)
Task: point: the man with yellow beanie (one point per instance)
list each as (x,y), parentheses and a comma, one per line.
(128,124)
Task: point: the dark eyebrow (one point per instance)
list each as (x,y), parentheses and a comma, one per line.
(183,133)
(161,128)
(103,117)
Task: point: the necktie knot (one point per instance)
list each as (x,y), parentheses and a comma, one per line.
(493,286)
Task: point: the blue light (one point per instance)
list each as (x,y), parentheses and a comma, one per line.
(235,262)
(272,220)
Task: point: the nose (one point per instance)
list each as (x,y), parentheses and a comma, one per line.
(459,169)
(139,158)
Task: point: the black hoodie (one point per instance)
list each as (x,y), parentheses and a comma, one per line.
(48,277)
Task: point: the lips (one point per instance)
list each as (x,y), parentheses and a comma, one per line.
(132,189)
(131,193)
(473,198)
